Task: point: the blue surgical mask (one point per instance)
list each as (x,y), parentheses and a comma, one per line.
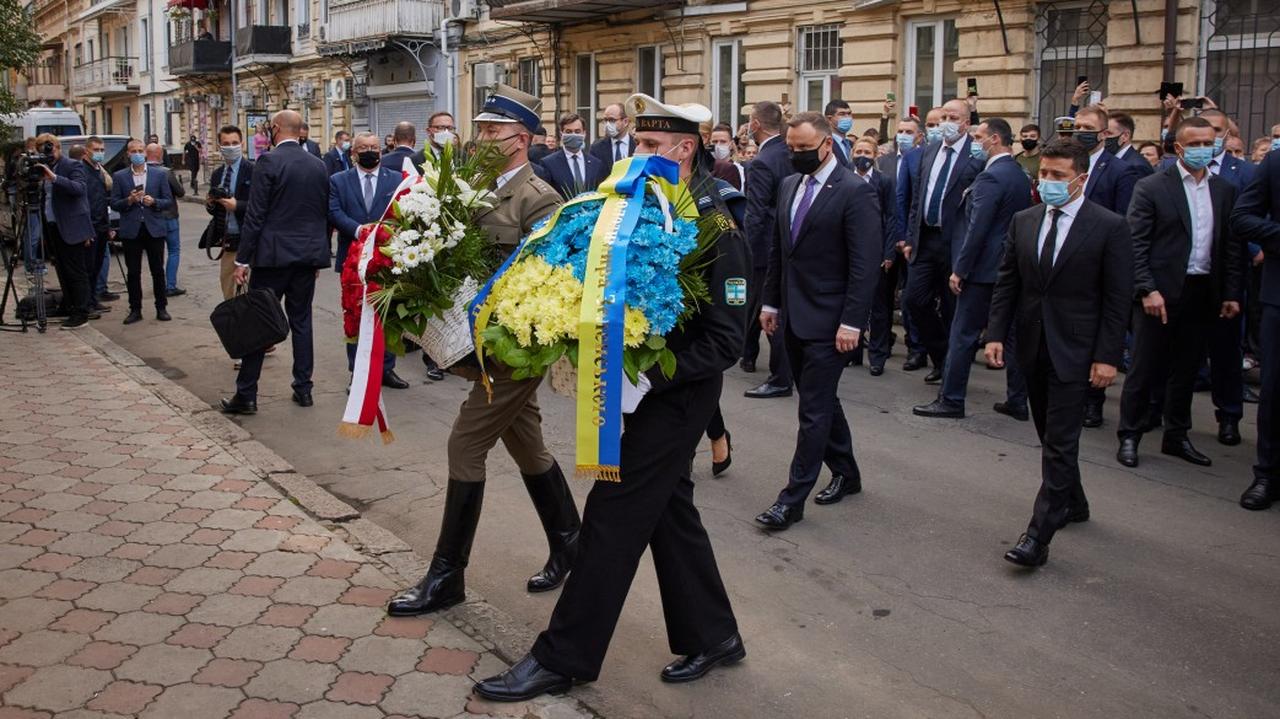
(950,130)
(905,141)
(1275,143)
(137,158)
(346,147)
(1217,145)
(932,134)
(1056,192)
(977,151)
(844,125)
(1197,158)
(99,157)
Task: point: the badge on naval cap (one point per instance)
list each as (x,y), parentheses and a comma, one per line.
(1066,123)
(507,104)
(653,116)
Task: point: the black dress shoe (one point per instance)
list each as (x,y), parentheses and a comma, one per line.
(719,468)
(1260,494)
(767,391)
(696,666)
(392,380)
(840,487)
(175,292)
(163,315)
(239,405)
(747,365)
(1127,454)
(1229,432)
(526,680)
(1076,515)
(914,362)
(108,296)
(1028,552)
(934,376)
(939,408)
(1183,449)
(1019,413)
(876,370)
(434,373)
(133,316)
(302,399)
(99,307)
(780,516)
(1251,395)
(1092,416)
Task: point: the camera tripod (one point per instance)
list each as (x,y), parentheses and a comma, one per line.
(28,251)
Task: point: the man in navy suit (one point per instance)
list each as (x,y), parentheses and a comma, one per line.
(824,258)
(840,117)
(617,142)
(908,169)
(234,177)
(571,170)
(405,138)
(1256,219)
(338,158)
(140,193)
(1119,142)
(285,239)
(879,344)
(935,230)
(771,164)
(68,229)
(999,192)
(307,143)
(358,197)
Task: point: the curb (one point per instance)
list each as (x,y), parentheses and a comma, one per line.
(493,628)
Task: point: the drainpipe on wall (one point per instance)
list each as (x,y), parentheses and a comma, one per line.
(1170,38)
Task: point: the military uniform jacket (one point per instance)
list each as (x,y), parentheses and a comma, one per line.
(524,200)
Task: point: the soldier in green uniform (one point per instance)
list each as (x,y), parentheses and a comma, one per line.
(509,121)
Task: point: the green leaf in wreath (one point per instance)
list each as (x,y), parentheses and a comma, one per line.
(667,361)
(656,342)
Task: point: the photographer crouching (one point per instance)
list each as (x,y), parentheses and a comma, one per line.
(68,228)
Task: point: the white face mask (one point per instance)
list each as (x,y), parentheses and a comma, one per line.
(721,152)
(611,129)
(442,138)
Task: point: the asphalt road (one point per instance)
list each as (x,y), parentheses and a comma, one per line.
(894,603)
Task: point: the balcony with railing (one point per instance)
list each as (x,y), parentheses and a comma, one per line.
(264,45)
(200,57)
(568,12)
(366,24)
(46,82)
(106,77)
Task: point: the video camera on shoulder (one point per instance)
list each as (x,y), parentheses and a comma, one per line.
(29,176)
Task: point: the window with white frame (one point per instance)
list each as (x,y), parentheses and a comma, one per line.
(819,54)
(584,90)
(932,49)
(528,76)
(649,71)
(728,91)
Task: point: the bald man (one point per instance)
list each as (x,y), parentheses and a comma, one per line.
(173,234)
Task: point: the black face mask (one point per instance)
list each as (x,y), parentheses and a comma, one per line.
(862,163)
(1030,145)
(369,159)
(1112,144)
(1088,138)
(805,162)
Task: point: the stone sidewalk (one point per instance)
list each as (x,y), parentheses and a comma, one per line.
(150,568)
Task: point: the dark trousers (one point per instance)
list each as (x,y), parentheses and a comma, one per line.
(908,325)
(1253,311)
(388,359)
(880,344)
(52,245)
(715,428)
(1269,406)
(972,307)
(779,372)
(651,507)
(133,250)
(297,285)
(1169,355)
(823,436)
(1226,365)
(95,269)
(1057,407)
(928,295)
(73,263)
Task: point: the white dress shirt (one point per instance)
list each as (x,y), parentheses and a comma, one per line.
(1066,215)
(140,179)
(936,170)
(991,160)
(1215,165)
(505,177)
(368,189)
(1124,151)
(1200,205)
(1093,161)
(614,149)
(581,160)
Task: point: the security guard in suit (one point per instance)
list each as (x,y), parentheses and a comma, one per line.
(652,506)
(509,121)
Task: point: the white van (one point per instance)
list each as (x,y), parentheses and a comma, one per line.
(38,120)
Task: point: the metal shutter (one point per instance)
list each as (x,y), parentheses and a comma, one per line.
(386,112)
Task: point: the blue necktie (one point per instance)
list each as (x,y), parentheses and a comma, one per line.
(806,201)
(933,215)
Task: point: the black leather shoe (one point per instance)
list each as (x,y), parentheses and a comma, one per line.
(1028,552)
(302,399)
(392,380)
(719,468)
(876,370)
(1127,454)
(175,292)
(133,316)
(1092,416)
(1019,413)
(939,408)
(163,315)
(780,516)
(747,365)
(1183,449)
(1076,515)
(914,362)
(108,297)
(560,521)
(696,666)
(1229,432)
(1251,395)
(238,405)
(1260,494)
(526,680)
(444,585)
(934,376)
(840,487)
(434,373)
(767,391)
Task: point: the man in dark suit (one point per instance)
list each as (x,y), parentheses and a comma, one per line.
(616,141)
(405,138)
(1119,142)
(1064,288)
(840,117)
(879,344)
(141,194)
(569,169)
(824,256)
(935,230)
(99,198)
(999,192)
(1188,271)
(1256,219)
(307,143)
(764,174)
(234,177)
(68,230)
(285,239)
(903,184)
(338,158)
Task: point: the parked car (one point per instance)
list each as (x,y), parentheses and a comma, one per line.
(60,121)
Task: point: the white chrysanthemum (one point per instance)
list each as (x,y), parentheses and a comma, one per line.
(412,257)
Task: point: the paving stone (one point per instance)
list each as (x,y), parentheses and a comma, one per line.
(343,621)
(144,511)
(227,672)
(71,522)
(320,649)
(333,569)
(231,560)
(204,580)
(257,586)
(85,544)
(404,627)
(181,556)
(259,643)
(115,528)
(153,576)
(173,603)
(14,555)
(316,591)
(164,664)
(186,514)
(30,613)
(439,660)
(194,701)
(444,634)
(58,688)
(125,697)
(209,499)
(118,597)
(139,628)
(229,610)
(367,596)
(263,709)
(199,636)
(82,621)
(103,569)
(428,695)
(162,533)
(128,493)
(36,537)
(382,655)
(286,615)
(205,535)
(232,519)
(289,680)
(188,482)
(281,564)
(360,688)
(334,710)
(102,655)
(254,540)
(67,589)
(132,551)
(12,676)
(16,583)
(42,648)
(274,522)
(304,544)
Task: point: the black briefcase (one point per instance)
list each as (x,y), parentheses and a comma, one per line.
(250,322)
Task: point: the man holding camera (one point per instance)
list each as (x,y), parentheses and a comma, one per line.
(141,194)
(68,230)
(228,201)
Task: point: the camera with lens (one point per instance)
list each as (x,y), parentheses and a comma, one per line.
(29,176)
(218,192)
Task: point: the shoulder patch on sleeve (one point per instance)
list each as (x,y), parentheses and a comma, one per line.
(735,291)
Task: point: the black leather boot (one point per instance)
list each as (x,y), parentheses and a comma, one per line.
(443,586)
(554,503)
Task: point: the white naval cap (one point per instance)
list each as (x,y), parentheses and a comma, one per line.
(653,116)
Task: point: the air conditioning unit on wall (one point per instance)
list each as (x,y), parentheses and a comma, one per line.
(337,90)
(464,9)
(173,104)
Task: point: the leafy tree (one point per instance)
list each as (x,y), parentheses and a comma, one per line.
(19,46)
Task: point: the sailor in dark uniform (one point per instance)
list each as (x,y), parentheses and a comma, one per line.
(652,507)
